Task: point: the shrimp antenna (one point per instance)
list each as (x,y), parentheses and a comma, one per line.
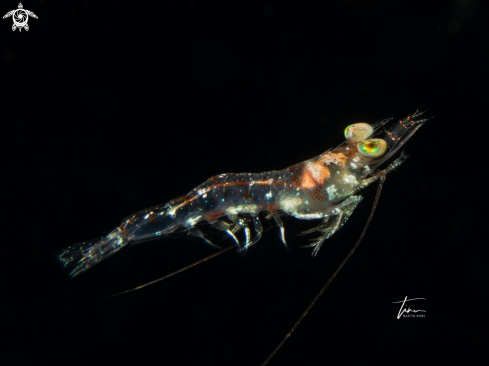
(381,177)
(174,273)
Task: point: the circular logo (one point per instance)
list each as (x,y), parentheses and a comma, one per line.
(20,18)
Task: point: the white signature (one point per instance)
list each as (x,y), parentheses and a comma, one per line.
(403,310)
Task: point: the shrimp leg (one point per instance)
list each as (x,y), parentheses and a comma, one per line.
(224,226)
(334,220)
(198,233)
(258,229)
(280,224)
(240,223)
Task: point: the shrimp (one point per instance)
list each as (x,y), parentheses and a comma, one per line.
(324,188)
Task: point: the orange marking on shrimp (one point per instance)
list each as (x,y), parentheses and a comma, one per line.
(315,174)
(178,200)
(213,216)
(318,194)
(307,181)
(125,232)
(271,208)
(246,183)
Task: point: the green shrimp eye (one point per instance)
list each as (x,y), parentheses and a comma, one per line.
(372,148)
(358,131)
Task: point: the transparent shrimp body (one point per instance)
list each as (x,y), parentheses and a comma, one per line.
(324,187)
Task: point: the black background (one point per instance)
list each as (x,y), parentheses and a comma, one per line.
(109,108)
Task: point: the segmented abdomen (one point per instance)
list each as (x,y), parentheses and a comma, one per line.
(231,194)
(221,195)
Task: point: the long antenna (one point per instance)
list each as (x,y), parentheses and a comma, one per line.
(174,273)
(381,182)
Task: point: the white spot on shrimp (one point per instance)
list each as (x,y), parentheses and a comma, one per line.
(231,211)
(193,220)
(353,165)
(290,205)
(268,195)
(331,192)
(270,181)
(242,209)
(171,213)
(202,191)
(350,179)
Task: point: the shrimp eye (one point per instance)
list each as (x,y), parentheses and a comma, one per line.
(358,131)
(372,148)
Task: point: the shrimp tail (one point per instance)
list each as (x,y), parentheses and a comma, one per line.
(83,256)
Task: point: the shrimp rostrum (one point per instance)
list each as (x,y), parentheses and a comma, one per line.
(325,187)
